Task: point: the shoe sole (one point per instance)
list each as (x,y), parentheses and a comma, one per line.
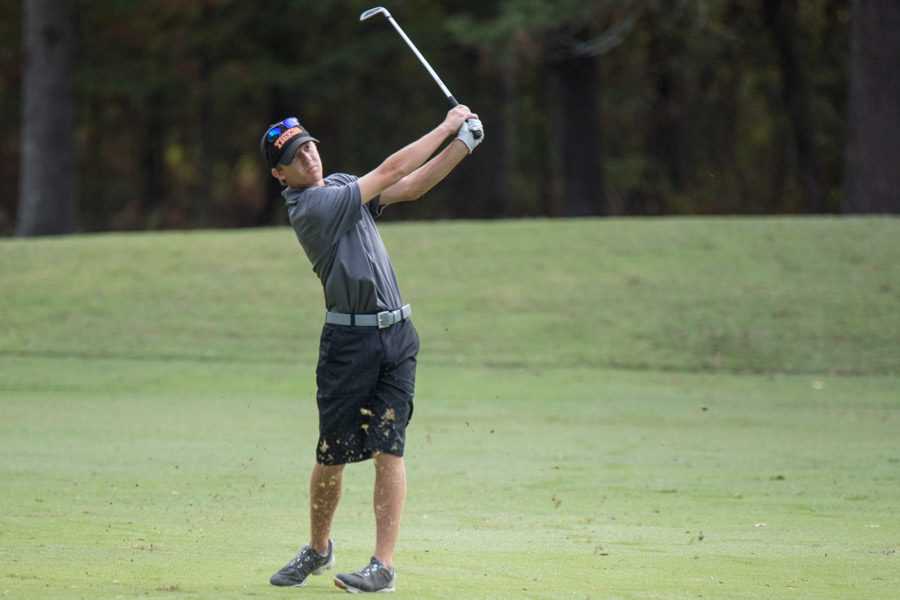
(353,590)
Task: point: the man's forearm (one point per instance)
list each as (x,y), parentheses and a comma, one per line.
(401,163)
(427,176)
(406,160)
(411,157)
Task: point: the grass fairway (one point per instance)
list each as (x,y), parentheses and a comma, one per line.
(605,409)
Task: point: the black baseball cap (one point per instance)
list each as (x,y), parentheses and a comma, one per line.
(280,141)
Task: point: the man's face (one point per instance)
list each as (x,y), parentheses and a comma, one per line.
(304,171)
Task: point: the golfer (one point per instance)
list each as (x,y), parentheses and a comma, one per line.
(367,352)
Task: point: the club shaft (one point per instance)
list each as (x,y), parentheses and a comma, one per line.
(423,61)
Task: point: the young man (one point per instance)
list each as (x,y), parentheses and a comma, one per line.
(367,352)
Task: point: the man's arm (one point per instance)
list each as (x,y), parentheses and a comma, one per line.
(405,161)
(414,185)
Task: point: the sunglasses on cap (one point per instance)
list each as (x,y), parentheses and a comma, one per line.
(278,128)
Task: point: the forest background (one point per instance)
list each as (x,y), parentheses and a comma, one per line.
(127,115)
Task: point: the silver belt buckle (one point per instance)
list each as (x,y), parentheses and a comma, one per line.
(385,319)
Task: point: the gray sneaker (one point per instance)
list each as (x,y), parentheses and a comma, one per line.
(307,562)
(374,577)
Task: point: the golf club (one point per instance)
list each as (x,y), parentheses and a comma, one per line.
(380,10)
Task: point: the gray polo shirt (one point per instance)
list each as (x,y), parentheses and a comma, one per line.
(340,239)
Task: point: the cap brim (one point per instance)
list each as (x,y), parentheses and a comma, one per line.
(287,156)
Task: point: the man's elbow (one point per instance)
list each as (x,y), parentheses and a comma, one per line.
(392,171)
(401,191)
(410,197)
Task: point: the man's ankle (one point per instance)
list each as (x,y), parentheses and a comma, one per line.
(322,549)
(387,561)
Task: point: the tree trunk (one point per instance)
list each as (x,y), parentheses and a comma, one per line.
(664,136)
(578,117)
(153,152)
(504,151)
(205,120)
(872,180)
(47,174)
(781,18)
(205,144)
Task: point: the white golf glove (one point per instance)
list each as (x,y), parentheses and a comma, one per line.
(471,133)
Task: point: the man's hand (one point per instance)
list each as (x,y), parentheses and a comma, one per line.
(456,116)
(471,133)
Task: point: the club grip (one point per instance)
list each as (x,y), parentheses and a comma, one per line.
(453,102)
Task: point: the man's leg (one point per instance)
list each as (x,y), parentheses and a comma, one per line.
(389,496)
(325,486)
(324,493)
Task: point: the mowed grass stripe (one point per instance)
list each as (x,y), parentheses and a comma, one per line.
(784,295)
(521,485)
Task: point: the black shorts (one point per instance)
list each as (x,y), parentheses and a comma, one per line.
(366,381)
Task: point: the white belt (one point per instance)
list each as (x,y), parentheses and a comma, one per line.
(381,320)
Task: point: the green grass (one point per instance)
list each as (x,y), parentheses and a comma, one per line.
(605,409)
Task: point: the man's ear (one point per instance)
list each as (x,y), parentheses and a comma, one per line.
(276,173)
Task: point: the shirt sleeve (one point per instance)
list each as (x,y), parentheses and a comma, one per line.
(375,207)
(332,210)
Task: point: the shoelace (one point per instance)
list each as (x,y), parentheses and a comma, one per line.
(302,557)
(369,570)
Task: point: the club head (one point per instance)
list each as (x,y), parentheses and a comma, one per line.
(378,10)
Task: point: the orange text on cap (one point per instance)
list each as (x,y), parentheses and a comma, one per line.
(284,137)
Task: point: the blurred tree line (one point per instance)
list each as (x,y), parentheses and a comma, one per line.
(134,114)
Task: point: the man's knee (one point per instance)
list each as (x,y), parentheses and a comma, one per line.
(388,464)
(327,475)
